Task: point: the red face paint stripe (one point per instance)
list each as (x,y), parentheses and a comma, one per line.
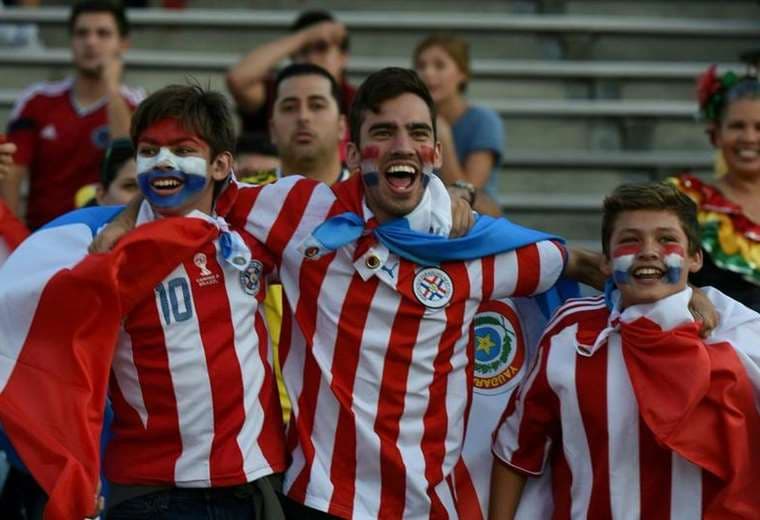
(167,132)
(427,154)
(370,153)
(624,250)
(670,249)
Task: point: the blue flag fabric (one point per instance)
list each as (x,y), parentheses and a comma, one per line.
(487,237)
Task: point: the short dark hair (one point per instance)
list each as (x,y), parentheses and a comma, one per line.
(308,69)
(650,196)
(118,153)
(206,113)
(255,143)
(309,18)
(115,9)
(379,87)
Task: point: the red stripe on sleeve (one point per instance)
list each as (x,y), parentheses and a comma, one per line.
(528,270)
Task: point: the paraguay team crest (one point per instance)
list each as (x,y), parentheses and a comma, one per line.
(433,287)
(499,348)
(250,279)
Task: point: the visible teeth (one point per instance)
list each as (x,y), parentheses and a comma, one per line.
(401,168)
(166,183)
(746,153)
(647,271)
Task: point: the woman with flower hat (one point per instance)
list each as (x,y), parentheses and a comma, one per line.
(729,208)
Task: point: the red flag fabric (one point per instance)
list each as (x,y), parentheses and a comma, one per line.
(53,381)
(12,231)
(699,402)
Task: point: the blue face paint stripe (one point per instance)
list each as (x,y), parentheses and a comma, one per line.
(371,178)
(193,185)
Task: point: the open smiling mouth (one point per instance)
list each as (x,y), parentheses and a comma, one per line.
(647,273)
(168,185)
(401,177)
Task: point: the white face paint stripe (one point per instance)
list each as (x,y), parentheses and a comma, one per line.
(192,165)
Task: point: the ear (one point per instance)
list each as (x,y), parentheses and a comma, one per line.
(604,266)
(353,156)
(437,156)
(125,44)
(272,134)
(221,166)
(100,192)
(342,127)
(695,261)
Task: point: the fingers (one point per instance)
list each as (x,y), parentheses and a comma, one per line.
(6,158)
(462,218)
(105,240)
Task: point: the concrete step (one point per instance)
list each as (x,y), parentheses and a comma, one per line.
(491,78)
(379,33)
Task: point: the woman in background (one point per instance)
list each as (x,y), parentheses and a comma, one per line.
(729,208)
(472,137)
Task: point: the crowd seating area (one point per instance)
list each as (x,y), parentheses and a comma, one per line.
(591,93)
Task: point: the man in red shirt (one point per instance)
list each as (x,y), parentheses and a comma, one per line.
(61,129)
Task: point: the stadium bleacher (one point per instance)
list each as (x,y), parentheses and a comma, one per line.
(592,93)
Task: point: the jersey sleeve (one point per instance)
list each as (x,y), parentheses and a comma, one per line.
(531,422)
(529,270)
(283,213)
(23,129)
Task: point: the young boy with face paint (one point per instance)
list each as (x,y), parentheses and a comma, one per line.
(197,417)
(634,414)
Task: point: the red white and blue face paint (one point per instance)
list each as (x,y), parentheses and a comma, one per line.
(623,258)
(674,258)
(166,179)
(370,170)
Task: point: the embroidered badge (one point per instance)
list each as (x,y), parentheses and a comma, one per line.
(250,279)
(207,277)
(433,287)
(499,349)
(200,262)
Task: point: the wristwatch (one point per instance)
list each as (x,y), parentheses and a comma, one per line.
(469,188)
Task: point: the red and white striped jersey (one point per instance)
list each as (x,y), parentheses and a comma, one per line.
(576,416)
(377,357)
(193,391)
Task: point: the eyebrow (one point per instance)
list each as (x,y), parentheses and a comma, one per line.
(637,230)
(151,140)
(393,126)
(310,97)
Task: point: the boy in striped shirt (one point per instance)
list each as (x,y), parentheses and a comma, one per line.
(632,413)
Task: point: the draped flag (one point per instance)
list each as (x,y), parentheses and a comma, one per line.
(60,313)
(12,232)
(710,418)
